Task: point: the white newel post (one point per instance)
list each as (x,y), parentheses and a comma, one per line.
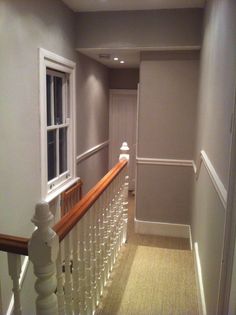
(43,251)
(124,155)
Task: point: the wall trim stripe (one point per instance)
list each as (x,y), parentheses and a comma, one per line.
(200,287)
(162,228)
(91,151)
(171,162)
(218,185)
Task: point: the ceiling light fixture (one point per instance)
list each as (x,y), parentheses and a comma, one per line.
(122,61)
(116,58)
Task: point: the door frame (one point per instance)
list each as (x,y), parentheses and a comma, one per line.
(123,92)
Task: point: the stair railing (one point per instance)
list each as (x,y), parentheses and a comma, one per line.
(73,260)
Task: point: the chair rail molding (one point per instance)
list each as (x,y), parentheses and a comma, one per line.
(91,151)
(218,185)
(171,162)
(203,157)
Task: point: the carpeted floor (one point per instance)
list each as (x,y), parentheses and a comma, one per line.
(153,276)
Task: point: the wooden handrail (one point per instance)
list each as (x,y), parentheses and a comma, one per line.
(19,245)
(14,244)
(65,225)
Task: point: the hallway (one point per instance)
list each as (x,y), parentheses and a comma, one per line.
(153,275)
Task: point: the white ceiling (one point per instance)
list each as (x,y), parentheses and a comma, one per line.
(123,5)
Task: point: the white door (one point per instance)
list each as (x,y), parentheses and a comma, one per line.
(122,127)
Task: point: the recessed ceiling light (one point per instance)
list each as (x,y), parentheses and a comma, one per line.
(122,61)
(116,58)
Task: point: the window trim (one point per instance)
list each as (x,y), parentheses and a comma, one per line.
(55,62)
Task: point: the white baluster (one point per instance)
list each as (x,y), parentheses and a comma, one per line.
(75,273)
(43,251)
(93,258)
(125,207)
(68,278)
(97,251)
(14,269)
(1,311)
(105,221)
(102,244)
(99,247)
(124,155)
(82,303)
(60,284)
(88,285)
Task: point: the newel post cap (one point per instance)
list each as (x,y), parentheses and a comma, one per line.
(44,243)
(124,155)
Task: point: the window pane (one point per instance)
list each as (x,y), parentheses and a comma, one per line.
(51,154)
(58,114)
(49,117)
(62,150)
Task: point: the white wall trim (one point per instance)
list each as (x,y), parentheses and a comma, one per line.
(162,229)
(218,185)
(91,151)
(172,162)
(200,287)
(48,59)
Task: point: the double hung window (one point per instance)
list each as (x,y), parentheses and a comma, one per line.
(57,99)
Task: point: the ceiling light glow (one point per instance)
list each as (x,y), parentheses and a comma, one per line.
(122,61)
(116,58)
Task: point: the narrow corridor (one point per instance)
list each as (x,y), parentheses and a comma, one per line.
(153,276)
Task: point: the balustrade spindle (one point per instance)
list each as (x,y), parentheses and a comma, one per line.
(98,250)
(68,278)
(75,271)
(1,311)
(14,269)
(93,257)
(60,284)
(82,304)
(88,288)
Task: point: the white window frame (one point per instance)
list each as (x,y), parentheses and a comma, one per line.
(51,189)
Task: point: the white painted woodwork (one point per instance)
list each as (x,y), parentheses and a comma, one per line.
(83,260)
(91,151)
(43,251)
(14,269)
(60,283)
(162,228)
(218,184)
(1,311)
(51,60)
(122,127)
(68,278)
(200,287)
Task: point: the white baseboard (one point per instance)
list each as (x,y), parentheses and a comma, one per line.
(200,287)
(162,229)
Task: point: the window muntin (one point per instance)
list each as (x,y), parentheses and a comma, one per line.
(58,123)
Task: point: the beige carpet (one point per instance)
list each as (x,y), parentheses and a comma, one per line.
(153,276)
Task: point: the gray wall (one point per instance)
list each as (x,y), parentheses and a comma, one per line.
(166,130)
(92,119)
(123,79)
(216,98)
(158,28)
(25,26)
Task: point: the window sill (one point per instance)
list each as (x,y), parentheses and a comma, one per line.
(52,195)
